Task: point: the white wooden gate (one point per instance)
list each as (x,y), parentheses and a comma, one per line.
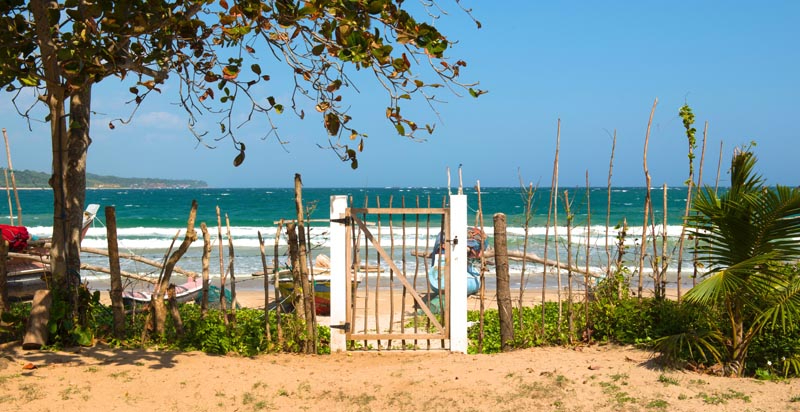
(385,292)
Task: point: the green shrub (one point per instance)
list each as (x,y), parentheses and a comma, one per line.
(527,334)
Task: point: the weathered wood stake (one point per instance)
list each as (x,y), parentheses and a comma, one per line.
(503,283)
(117,307)
(4,304)
(36,331)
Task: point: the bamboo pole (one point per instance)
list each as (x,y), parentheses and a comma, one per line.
(404,268)
(553,191)
(8,194)
(231,259)
(664,262)
(588,234)
(479,217)
(646,202)
(223,304)
(526,239)
(719,166)
(206,266)
(117,307)
(267,332)
(391,272)
(416,260)
(311,272)
(608,204)
(378,275)
(13,179)
(366,276)
(278,306)
(567,210)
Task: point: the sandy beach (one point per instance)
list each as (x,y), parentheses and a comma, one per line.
(584,378)
(596,378)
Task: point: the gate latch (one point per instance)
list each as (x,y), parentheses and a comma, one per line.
(347,220)
(344,327)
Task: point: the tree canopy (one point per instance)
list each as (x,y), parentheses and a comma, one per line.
(219,51)
(216,49)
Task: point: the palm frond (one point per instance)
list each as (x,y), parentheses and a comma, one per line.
(784,309)
(691,345)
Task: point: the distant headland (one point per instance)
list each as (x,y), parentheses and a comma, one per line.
(30,179)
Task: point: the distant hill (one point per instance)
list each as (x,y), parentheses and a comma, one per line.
(27,179)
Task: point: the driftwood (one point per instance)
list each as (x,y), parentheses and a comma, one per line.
(45,260)
(141,259)
(530,257)
(36,331)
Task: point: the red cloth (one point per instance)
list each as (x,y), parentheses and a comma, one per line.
(17,237)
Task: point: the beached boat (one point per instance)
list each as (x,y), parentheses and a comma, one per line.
(184,293)
(322,291)
(28,268)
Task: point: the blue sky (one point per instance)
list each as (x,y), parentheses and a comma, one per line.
(596,66)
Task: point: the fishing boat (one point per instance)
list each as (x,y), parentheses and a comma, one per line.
(322,291)
(28,266)
(184,293)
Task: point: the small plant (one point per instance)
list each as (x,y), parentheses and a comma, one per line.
(657,404)
(666,380)
(620,377)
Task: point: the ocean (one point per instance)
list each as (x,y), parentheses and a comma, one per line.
(148,220)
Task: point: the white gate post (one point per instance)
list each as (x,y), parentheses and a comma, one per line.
(458,274)
(338,274)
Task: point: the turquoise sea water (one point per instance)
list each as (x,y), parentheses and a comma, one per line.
(148,220)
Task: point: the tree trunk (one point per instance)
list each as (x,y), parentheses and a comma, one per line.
(159,310)
(503,283)
(75,196)
(69,154)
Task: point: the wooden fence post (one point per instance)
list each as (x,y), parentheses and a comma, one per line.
(503,282)
(117,307)
(4,306)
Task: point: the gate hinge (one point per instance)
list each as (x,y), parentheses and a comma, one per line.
(347,220)
(344,327)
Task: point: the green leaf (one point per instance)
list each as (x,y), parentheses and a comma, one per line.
(400,129)
(29,81)
(318,49)
(256,69)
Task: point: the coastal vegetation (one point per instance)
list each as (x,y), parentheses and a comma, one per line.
(31,179)
(213,51)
